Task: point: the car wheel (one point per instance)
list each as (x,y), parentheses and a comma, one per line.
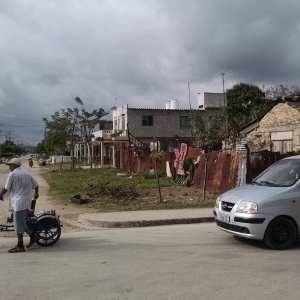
(281,234)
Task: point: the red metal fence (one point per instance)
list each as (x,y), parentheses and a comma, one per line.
(139,161)
(216,171)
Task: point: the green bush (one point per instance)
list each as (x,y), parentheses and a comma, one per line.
(292,153)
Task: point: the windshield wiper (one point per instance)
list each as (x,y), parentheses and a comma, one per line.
(267,182)
(256,182)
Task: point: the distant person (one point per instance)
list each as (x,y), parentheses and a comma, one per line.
(30,161)
(20,185)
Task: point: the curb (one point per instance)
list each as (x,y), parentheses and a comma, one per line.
(146,223)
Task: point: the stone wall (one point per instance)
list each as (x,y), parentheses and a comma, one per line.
(281,117)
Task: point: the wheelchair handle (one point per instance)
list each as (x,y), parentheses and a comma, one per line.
(33,202)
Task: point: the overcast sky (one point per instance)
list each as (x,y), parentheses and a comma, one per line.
(142,52)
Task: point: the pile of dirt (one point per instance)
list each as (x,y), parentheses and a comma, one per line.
(121,194)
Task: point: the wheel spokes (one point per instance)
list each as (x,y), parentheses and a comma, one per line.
(281,233)
(47,231)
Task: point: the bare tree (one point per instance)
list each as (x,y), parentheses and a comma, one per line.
(280,91)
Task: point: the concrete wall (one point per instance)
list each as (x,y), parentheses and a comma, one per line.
(120,117)
(58,159)
(166,123)
(211,100)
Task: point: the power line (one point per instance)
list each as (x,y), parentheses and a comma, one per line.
(13,113)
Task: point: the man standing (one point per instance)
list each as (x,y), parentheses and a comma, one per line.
(20,185)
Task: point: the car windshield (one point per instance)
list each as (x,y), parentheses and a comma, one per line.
(285,172)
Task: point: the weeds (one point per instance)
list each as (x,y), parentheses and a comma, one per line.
(110,192)
(120,194)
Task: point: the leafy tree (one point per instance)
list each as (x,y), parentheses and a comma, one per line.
(8,148)
(56,132)
(68,122)
(87,122)
(42,149)
(209,135)
(245,102)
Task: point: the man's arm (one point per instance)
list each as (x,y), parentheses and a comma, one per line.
(2,193)
(36,192)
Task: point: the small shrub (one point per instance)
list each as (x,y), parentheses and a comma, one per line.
(292,153)
(153,176)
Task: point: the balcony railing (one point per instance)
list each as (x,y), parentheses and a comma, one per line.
(111,135)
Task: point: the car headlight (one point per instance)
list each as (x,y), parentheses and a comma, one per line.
(217,202)
(247,207)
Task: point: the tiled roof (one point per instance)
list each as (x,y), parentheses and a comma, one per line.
(294,104)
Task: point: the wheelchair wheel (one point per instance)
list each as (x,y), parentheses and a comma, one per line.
(47,231)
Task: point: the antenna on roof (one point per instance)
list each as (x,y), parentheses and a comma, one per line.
(189,96)
(190,106)
(223,74)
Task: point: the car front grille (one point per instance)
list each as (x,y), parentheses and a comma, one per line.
(233,227)
(226,206)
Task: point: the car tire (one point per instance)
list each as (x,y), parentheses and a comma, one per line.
(280,234)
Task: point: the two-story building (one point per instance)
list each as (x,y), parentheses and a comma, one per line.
(140,127)
(155,124)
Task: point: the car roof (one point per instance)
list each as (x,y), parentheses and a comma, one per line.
(293,157)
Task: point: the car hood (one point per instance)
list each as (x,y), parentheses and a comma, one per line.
(249,192)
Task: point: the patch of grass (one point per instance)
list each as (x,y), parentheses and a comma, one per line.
(153,175)
(66,183)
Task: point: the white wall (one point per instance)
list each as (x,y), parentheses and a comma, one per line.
(211,100)
(58,159)
(117,117)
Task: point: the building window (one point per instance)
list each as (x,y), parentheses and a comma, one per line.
(123,121)
(147,120)
(185,122)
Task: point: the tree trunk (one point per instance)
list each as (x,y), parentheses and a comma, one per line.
(205,174)
(61,163)
(158,184)
(90,155)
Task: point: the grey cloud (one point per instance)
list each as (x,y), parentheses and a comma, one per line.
(141,52)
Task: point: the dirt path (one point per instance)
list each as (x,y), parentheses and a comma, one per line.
(68,213)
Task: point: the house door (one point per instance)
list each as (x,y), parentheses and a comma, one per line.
(282,141)
(282,146)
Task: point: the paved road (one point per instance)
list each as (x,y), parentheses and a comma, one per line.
(164,262)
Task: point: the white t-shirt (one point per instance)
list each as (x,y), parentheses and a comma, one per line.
(20,185)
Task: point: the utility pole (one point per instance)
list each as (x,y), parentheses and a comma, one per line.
(1,124)
(222,73)
(190,106)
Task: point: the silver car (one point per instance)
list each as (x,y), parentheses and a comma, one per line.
(267,209)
